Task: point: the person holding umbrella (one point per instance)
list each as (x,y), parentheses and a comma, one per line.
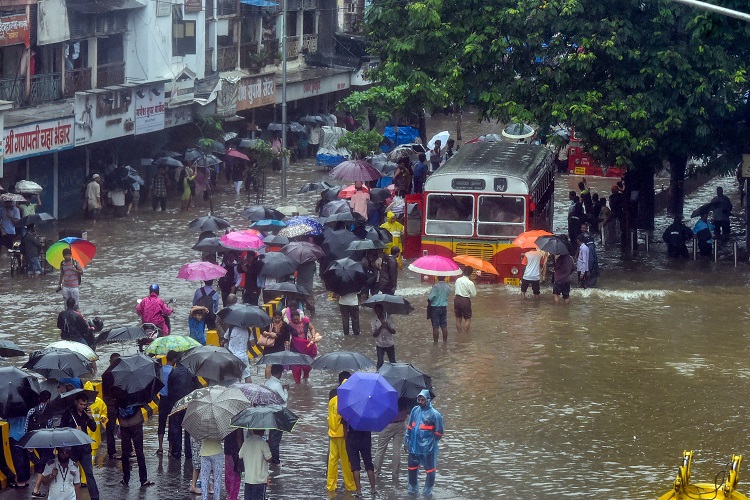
(70,277)
(563,275)
(305,341)
(63,480)
(388,280)
(81,418)
(423,431)
(464,290)
(274,435)
(383,331)
(438,301)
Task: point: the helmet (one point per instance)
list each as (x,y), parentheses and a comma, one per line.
(154,288)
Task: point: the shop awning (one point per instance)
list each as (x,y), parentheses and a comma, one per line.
(259,3)
(102,6)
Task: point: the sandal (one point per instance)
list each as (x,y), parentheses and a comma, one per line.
(37,494)
(147,483)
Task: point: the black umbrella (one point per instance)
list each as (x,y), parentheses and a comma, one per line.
(274,127)
(335,207)
(61,437)
(342,360)
(344,276)
(302,251)
(34,219)
(249,143)
(332,193)
(554,245)
(137,380)
(266,417)
(64,401)
(392,304)
(169,162)
(336,242)
(9,349)
(276,240)
(705,209)
(213,363)
(314,186)
(19,392)
(123,177)
(360,245)
(211,244)
(259,212)
(286,287)
(58,363)
(406,379)
(379,234)
(193,154)
(276,265)
(379,195)
(245,316)
(121,334)
(166,154)
(345,217)
(209,223)
(214,147)
(285,358)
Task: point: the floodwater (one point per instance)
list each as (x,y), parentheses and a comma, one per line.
(596,399)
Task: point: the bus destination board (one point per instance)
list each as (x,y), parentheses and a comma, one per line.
(468,184)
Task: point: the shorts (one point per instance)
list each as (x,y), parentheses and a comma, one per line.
(135,197)
(462,307)
(534,286)
(34,266)
(439,316)
(354,450)
(561,289)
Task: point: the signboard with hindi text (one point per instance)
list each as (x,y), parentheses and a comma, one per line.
(40,138)
(256,91)
(15,29)
(149,109)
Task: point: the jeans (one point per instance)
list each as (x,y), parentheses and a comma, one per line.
(274,441)
(175,435)
(85,462)
(132,438)
(391,351)
(255,491)
(111,430)
(348,312)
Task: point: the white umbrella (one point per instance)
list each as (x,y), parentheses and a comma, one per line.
(518,131)
(442,137)
(81,349)
(28,187)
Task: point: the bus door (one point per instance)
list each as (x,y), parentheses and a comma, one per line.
(413,226)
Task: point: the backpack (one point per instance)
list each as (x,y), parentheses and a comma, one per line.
(207,301)
(35,422)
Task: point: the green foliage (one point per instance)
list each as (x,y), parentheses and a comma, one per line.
(361,143)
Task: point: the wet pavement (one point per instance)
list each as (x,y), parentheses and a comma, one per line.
(592,400)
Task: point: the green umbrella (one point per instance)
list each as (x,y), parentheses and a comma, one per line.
(178,343)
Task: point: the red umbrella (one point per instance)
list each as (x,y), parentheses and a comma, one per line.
(528,239)
(237,154)
(355,170)
(349,191)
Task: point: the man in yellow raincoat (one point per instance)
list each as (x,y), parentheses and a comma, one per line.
(337,446)
(397,230)
(99,412)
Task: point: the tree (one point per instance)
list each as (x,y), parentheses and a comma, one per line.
(360,143)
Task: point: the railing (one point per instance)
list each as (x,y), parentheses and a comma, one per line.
(77,80)
(12,90)
(226,8)
(247,50)
(226,58)
(272,46)
(110,74)
(292,47)
(209,60)
(45,88)
(309,43)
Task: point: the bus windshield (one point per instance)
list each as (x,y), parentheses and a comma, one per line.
(450,214)
(501,216)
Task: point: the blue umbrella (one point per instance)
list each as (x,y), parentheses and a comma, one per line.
(268,225)
(308,221)
(367,402)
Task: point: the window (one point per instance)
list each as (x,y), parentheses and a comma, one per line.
(450,215)
(183,38)
(501,216)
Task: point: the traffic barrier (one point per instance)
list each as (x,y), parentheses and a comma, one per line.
(7,470)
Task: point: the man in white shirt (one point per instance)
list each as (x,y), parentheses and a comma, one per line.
(62,476)
(464,290)
(349,309)
(532,274)
(582,263)
(255,455)
(274,436)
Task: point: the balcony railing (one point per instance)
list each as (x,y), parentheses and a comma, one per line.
(110,74)
(272,46)
(292,47)
(45,88)
(77,80)
(209,60)
(226,8)
(309,44)
(226,58)
(11,89)
(247,50)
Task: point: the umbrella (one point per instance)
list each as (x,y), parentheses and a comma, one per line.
(344,276)
(259,212)
(82,251)
(241,241)
(192,154)
(379,234)
(342,360)
(250,143)
(297,127)
(379,195)
(12,197)
(211,244)
(476,263)
(9,349)
(28,187)
(121,334)
(517,131)
(276,265)
(290,210)
(296,231)
(207,161)
(167,161)
(64,401)
(554,245)
(440,136)
(406,379)
(236,154)
(359,245)
(317,227)
(345,217)
(259,395)
(286,287)
(136,380)
(528,238)
(245,316)
(355,170)
(367,402)
(290,358)
(213,146)
(331,193)
(78,347)
(201,271)
(208,223)
(173,342)
(268,225)
(19,392)
(275,127)
(213,363)
(392,304)
(348,192)
(166,154)
(303,251)
(435,265)
(335,207)
(58,363)
(184,402)
(272,417)
(312,119)
(34,219)
(209,416)
(275,240)
(705,209)
(61,437)
(228,136)
(336,243)
(314,186)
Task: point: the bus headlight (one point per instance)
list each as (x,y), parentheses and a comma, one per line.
(514,271)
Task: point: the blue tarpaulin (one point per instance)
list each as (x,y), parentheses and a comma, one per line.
(259,3)
(406,135)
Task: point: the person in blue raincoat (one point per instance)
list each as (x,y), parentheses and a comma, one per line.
(423,431)
(703,231)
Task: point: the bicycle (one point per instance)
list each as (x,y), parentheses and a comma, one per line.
(17,264)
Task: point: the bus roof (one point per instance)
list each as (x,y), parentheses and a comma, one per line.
(517,162)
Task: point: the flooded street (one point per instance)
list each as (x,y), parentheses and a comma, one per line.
(597,399)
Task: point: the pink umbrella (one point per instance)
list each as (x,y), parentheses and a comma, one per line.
(201,271)
(349,191)
(237,154)
(435,265)
(355,170)
(241,241)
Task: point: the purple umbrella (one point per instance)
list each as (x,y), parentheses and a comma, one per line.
(367,402)
(355,170)
(303,251)
(307,221)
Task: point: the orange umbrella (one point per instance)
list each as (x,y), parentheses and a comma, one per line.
(528,239)
(476,263)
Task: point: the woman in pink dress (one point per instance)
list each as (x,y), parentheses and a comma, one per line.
(305,341)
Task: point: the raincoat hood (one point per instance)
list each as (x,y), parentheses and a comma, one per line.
(426,394)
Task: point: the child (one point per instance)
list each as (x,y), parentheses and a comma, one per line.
(197,323)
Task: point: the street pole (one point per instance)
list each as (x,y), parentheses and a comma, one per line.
(283,102)
(716,9)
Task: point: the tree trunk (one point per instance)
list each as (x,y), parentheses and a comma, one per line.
(677,168)
(422,127)
(458,123)
(639,202)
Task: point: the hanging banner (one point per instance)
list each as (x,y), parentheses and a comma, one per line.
(149,109)
(102,115)
(14,30)
(226,97)
(38,138)
(256,91)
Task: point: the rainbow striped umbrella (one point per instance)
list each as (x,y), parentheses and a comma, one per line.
(83,251)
